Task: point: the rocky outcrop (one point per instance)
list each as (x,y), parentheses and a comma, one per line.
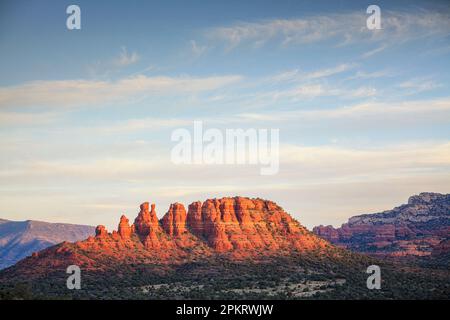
(174,221)
(124,228)
(413,229)
(148,228)
(236,227)
(443,248)
(240,224)
(101,232)
(146,221)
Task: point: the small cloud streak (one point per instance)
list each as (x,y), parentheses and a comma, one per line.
(374,51)
(371,75)
(296,75)
(125,58)
(198,50)
(368,110)
(419,85)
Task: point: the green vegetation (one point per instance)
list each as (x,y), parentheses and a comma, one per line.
(301,277)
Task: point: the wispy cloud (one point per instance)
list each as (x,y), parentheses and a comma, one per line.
(343,28)
(296,75)
(105,68)
(417,85)
(300,92)
(126,58)
(330,71)
(295,85)
(198,49)
(374,51)
(362,92)
(371,75)
(63,93)
(369,110)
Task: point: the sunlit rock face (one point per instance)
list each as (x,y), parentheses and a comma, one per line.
(412,229)
(236,228)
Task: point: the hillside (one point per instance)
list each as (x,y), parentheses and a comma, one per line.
(19,239)
(413,229)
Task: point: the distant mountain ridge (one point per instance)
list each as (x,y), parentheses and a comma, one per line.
(19,239)
(412,229)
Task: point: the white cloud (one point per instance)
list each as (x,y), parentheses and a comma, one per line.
(363,92)
(197,49)
(419,85)
(329,72)
(369,110)
(305,91)
(371,75)
(374,51)
(296,75)
(314,90)
(63,93)
(344,28)
(104,69)
(126,58)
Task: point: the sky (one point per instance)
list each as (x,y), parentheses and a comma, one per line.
(86,116)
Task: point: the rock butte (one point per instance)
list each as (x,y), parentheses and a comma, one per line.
(236,227)
(226,224)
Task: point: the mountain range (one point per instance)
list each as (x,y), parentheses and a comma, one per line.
(419,228)
(19,239)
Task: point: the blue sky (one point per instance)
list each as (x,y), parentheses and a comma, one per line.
(86,115)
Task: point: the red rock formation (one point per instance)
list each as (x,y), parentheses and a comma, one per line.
(146,220)
(101,232)
(124,228)
(327,232)
(413,229)
(442,248)
(147,227)
(237,228)
(194,218)
(253,225)
(174,222)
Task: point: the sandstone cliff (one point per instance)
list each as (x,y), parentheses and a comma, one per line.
(412,229)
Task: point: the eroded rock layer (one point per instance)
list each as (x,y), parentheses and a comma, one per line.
(413,229)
